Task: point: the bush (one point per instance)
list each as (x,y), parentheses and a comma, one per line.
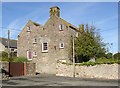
(4,56)
(104,60)
(109,55)
(101,60)
(117,56)
(20,59)
(89,63)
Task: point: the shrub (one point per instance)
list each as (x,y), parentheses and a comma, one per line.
(20,59)
(104,60)
(88,63)
(109,55)
(117,56)
(4,56)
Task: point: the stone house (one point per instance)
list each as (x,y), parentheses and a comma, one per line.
(4,45)
(45,44)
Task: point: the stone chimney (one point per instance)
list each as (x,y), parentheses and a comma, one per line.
(55,11)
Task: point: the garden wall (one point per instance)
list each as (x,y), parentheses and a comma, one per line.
(105,71)
(30,68)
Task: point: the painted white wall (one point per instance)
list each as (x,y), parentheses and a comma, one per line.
(2,47)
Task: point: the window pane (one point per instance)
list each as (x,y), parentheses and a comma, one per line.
(29,54)
(45,47)
(61,44)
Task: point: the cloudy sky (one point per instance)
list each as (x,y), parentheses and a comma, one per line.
(104,15)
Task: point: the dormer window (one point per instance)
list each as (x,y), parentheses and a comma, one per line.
(28,29)
(61,27)
(61,45)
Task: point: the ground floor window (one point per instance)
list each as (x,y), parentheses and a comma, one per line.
(29,55)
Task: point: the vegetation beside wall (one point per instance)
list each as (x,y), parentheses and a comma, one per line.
(20,59)
(13,57)
(4,56)
(98,61)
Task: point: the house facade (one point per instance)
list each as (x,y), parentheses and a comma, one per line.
(48,43)
(4,45)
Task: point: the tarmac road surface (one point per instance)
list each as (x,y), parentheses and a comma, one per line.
(50,81)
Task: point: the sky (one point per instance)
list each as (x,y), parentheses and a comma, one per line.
(103,15)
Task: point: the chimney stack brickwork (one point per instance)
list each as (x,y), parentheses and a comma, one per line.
(55,11)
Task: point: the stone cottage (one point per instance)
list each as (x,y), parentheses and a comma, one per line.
(45,44)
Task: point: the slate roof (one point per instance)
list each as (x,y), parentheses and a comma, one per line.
(4,41)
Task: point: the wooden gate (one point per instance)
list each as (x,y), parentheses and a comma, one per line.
(16,69)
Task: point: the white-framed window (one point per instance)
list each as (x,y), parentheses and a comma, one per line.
(28,29)
(29,55)
(61,27)
(45,47)
(61,45)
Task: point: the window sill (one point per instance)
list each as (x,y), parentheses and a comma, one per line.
(34,56)
(60,29)
(34,42)
(29,59)
(45,51)
(61,47)
(28,30)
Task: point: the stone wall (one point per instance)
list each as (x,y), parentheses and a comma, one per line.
(105,71)
(30,69)
(4,66)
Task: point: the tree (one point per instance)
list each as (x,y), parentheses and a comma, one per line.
(117,56)
(109,55)
(89,45)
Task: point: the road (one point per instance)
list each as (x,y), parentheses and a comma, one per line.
(51,80)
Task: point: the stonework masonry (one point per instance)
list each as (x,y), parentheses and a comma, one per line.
(50,33)
(103,71)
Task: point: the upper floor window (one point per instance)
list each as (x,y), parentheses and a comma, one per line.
(61,45)
(61,27)
(45,47)
(28,29)
(34,41)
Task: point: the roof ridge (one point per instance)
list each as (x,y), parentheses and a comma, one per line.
(70,24)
